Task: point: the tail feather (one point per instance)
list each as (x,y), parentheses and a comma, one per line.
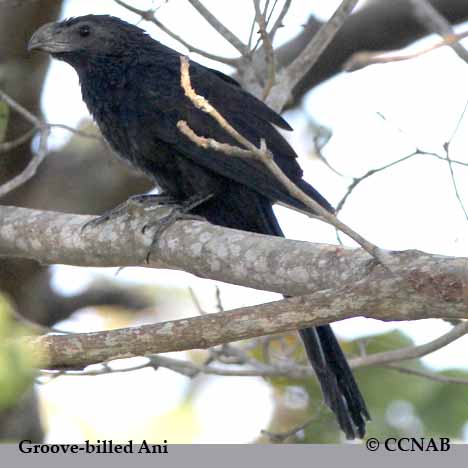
(339,388)
(251,212)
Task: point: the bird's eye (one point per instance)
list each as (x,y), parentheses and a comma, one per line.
(84,30)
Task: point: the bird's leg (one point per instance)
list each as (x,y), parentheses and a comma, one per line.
(135,205)
(179,212)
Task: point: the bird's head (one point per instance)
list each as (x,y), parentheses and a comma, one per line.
(86,37)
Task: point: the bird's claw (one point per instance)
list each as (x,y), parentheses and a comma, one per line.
(178,213)
(135,205)
(163,224)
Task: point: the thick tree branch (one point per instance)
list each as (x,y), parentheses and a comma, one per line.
(391,299)
(247,366)
(262,262)
(342,281)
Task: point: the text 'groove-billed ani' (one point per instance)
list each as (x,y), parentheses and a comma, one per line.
(131,85)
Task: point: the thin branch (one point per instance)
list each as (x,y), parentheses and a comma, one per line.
(414,352)
(251,34)
(44,129)
(437,23)
(429,375)
(196,302)
(450,162)
(357,180)
(148,15)
(220,28)
(279,21)
(454,181)
(361,60)
(210,143)
(309,56)
(75,131)
(265,156)
(21,110)
(457,126)
(31,168)
(281,437)
(11,145)
(270,60)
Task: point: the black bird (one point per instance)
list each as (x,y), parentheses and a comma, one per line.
(131,85)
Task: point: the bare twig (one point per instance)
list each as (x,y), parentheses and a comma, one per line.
(357,180)
(220,28)
(40,126)
(196,302)
(11,145)
(270,60)
(148,15)
(418,152)
(450,162)
(31,168)
(457,126)
(363,59)
(437,23)
(75,131)
(454,181)
(21,110)
(281,437)
(210,143)
(429,375)
(265,156)
(279,21)
(309,56)
(415,352)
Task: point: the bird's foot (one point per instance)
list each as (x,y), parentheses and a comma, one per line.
(134,206)
(178,213)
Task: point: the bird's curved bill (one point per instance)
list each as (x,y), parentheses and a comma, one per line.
(46,38)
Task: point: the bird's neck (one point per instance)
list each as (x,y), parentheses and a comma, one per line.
(102,84)
(106,74)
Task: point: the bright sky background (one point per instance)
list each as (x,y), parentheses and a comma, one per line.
(409,206)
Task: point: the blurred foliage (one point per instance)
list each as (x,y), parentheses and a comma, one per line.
(4,114)
(401,405)
(16,364)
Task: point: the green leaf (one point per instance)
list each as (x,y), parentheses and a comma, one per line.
(4,115)
(16,363)
(400,404)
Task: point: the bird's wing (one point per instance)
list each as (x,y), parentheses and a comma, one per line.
(203,76)
(166,104)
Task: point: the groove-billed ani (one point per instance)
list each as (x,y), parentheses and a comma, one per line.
(131,85)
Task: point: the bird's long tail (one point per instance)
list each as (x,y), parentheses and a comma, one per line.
(340,390)
(246,210)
